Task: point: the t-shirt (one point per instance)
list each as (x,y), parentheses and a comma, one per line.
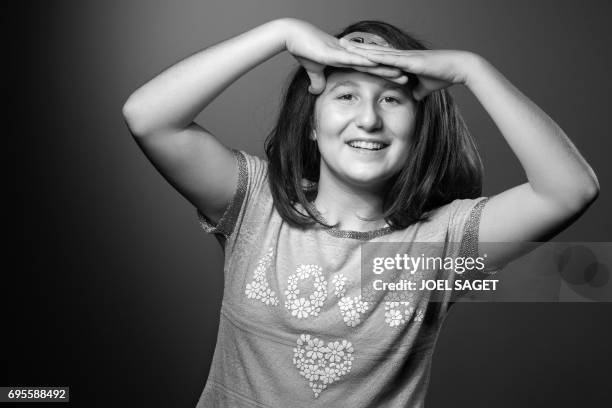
(295,330)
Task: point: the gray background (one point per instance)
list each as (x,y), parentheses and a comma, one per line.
(119,290)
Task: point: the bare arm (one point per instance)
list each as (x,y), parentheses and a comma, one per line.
(561,184)
(160,113)
(160,116)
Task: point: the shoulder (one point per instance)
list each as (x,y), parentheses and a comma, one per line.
(457,217)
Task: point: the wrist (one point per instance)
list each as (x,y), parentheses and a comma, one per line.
(475,68)
(285,28)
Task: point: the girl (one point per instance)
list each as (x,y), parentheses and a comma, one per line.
(369,148)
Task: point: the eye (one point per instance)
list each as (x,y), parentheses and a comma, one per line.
(391,99)
(346,97)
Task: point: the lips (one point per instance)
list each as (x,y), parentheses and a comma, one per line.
(367,144)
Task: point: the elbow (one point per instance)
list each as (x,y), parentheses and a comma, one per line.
(588,193)
(586,190)
(575,199)
(591,188)
(592,193)
(132,117)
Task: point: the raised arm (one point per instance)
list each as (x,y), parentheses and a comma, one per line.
(561,184)
(160,114)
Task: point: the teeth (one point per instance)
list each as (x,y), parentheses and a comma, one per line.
(367,145)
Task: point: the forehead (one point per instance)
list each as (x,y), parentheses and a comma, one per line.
(351,78)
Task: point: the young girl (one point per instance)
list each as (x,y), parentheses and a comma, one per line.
(369,148)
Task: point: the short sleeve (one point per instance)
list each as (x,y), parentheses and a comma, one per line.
(463,229)
(251,175)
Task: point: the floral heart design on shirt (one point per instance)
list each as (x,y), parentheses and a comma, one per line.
(322,364)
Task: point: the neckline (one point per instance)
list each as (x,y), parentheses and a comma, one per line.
(360,235)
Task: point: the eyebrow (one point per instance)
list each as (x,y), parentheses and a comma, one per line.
(386,85)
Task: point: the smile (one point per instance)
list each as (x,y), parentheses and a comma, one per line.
(361,144)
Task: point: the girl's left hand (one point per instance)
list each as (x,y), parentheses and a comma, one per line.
(435,69)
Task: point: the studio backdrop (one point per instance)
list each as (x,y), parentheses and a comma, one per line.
(120,289)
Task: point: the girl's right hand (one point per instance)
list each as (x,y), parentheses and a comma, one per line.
(314,49)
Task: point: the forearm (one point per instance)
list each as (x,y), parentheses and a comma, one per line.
(172,100)
(554,167)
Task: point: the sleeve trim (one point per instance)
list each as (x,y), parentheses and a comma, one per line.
(225,225)
(469,241)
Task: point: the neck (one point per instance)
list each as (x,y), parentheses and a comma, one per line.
(352,208)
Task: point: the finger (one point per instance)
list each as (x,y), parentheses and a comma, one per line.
(350,58)
(401,79)
(350,45)
(317,81)
(366,52)
(419,92)
(406,62)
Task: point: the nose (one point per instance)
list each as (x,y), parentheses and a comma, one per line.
(368,118)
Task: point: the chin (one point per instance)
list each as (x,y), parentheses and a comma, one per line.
(362,179)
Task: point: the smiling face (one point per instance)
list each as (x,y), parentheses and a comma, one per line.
(364,125)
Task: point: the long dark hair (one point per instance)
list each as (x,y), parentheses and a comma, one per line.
(444,163)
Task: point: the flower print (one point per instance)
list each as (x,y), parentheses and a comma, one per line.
(303,272)
(259,274)
(259,289)
(351,309)
(306,371)
(317,298)
(347,345)
(419,315)
(334,352)
(269,297)
(321,286)
(361,306)
(345,304)
(292,292)
(343,369)
(391,305)
(339,281)
(317,388)
(304,338)
(328,375)
(311,372)
(252,290)
(394,318)
(300,308)
(315,353)
(321,364)
(351,318)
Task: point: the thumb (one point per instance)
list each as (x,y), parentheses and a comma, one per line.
(421,90)
(317,81)
(314,70)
